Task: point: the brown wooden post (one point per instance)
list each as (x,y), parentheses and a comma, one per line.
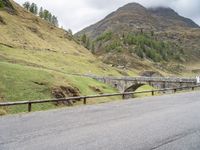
(29,107)
(153,93)
(123,96)
(174,90)
(192,88)
(84,101)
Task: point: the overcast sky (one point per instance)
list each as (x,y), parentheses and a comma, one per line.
(77,14)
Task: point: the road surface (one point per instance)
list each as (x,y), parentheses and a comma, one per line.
(154,123)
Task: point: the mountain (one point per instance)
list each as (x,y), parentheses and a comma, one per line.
(134,15)
(136,37)
(167,17)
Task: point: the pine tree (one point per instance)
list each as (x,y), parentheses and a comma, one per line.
(27,5)
(34,8)
(50,17)
(46,14)
(84,38)
(87,45)
(54,21)
(41,13)
(93,48)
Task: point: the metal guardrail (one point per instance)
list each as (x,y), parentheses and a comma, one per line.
(84,98)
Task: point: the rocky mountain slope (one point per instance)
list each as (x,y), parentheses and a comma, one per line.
(136,37)
(133,16)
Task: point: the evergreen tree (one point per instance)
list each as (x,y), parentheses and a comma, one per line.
(93,48)
(41,13)
(34,8)
(55,21)
(46,14)
(84,38)
(27,5)
(49,17)
(87,45)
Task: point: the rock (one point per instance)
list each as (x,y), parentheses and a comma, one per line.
(63,92)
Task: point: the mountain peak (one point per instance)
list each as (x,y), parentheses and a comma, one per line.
(132,7)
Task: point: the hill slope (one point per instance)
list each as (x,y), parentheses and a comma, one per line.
(37,61)
(134,37)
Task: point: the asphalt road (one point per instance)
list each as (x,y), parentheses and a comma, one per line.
(167,122)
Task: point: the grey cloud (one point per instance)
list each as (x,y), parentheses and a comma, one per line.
(77,14)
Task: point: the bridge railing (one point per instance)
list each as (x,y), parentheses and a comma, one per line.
(85,98)
(142,78)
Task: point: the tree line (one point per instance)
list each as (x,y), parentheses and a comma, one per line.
(42,13)
(144,45)
(87,43)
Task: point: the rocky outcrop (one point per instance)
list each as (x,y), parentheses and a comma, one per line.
(63,92)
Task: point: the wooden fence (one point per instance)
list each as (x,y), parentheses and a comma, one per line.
(85,98)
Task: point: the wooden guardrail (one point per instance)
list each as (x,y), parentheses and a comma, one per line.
(85,98)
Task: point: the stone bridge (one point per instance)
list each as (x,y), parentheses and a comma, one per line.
(127,84)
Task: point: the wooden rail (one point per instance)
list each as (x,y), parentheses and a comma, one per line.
(85,98)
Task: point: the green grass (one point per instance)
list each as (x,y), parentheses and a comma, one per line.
(58,61)
(144,88)
(20,82)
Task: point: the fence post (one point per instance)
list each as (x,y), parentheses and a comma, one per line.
(84,101)
(192,88)
(174,90)
(153,93)
(123,96)
(29,107)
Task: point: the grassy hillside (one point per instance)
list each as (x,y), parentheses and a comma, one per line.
(20,82)
(37,61)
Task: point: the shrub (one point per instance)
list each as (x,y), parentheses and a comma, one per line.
(139,52)
(115,45)
(105,36)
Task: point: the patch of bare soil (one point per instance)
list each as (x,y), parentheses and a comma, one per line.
(63,92)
